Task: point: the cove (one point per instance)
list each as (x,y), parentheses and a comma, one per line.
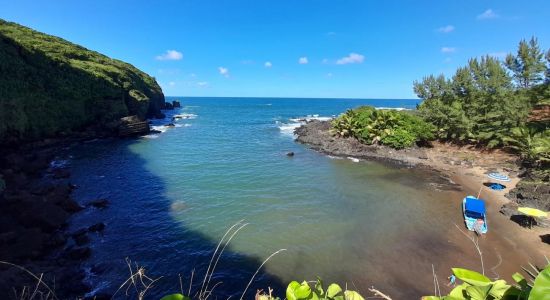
(173,194)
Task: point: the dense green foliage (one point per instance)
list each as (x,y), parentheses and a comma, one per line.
(299,291)
(487,102)
(476,286)
(397,129)
(49,85)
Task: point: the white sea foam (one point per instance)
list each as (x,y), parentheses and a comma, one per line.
(59,163)
(334,157)
(393,108)
(288,128)
(353,159)
(185,116)
(160,128)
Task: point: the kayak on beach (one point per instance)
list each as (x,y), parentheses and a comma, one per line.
(474,214)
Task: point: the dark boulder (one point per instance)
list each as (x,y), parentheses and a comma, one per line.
(61,173)
(99,203)
(81,239)
(97,227)
(168,105)
(290,154)
(45,215)
(133,126)
(78,253)
(176,104)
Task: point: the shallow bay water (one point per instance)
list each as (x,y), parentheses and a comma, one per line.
(172,196)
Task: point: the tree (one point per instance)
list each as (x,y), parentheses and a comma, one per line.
(548,67)
(528,64)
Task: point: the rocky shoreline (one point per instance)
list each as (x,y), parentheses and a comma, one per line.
(451,160)
(35,208)
(316,135)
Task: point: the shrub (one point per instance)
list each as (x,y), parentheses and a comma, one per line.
(396,129)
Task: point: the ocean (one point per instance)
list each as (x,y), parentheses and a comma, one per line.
(173,195)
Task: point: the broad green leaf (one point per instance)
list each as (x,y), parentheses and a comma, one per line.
(499,289)
(319,288)
(175,297)
(353,295)
(459,291)
(541,287)
(471,277)
(333,290)
(339,297)
(478,292)
(290,290)
(430,298)
(518,277)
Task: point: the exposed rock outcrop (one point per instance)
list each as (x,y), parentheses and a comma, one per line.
(132,126)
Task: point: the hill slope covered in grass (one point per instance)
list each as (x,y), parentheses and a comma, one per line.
(49,85)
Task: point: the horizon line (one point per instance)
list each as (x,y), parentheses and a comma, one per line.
(327,98)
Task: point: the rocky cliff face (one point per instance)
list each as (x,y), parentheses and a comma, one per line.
(50,87)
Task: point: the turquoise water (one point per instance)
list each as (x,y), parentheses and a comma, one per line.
(174,194)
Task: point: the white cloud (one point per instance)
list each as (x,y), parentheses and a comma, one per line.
(303,60)
(170,55)
(325,60)
(488,14)
(171,83)
(352,58)
(268,64)
(446,29)
(202,84)
(448,49)
(224,71)
(447,60)
(331,33)
(329,75)
(193,75)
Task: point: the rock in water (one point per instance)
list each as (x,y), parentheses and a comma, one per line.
(290,154)
(132,126)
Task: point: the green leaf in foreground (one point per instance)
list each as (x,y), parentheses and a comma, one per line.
(333,290)
(175,297)
(541,287)
(296,291)
(353,295)
(471,277)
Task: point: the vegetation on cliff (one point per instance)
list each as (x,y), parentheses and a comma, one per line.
(49,86)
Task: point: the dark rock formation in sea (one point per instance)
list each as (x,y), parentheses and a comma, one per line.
(132,126)
(53,88)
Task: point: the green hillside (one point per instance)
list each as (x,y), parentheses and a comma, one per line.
(49,85)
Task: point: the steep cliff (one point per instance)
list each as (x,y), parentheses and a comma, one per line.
(49,86)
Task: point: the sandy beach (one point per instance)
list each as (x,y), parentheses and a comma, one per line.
(507,246)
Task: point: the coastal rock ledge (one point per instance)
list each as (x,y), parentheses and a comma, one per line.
(316,135)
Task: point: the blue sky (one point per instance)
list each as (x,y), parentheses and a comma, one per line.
(289,48)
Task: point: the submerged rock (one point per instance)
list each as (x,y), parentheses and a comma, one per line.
(97,227)
(290,154)
(99,203)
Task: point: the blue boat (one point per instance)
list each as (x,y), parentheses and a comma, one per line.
(474,214)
